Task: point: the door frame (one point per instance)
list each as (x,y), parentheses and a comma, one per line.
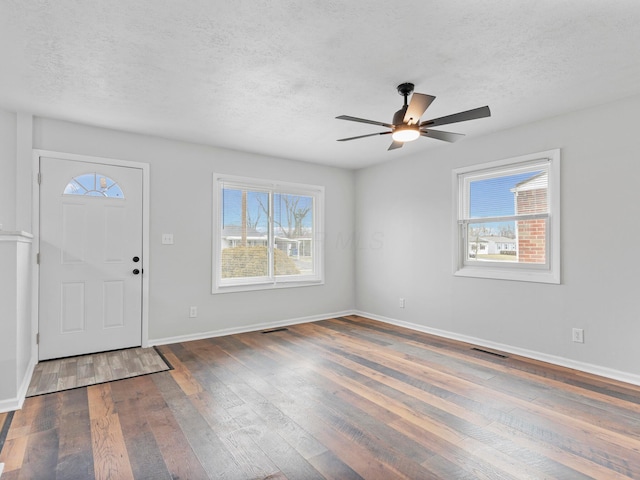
(37,154)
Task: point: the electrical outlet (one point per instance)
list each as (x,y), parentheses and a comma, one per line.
(578,335)
(167,239)
(193,312)
(401,303)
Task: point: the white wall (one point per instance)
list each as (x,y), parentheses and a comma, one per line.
(16,338)
(181,176)
(24,333)
(8,325)
(404,221)
(8,170)
(402,211)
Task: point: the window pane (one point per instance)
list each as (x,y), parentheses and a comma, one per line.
(492,241)
(87,181)
(93,185)
(245,233)
(293,234)
(507,195)
(521,241)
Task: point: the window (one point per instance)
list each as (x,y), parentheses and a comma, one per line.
(507,222)
(267,234)
(93,185)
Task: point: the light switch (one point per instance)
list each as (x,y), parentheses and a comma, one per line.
(167,238)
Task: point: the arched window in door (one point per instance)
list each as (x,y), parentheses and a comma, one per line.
(94,185)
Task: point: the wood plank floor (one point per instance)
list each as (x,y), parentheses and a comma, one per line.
(346,398)
(66,373)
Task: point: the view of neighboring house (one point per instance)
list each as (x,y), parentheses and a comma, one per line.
(492,245)
(232,237)
(528,243)
(293,247)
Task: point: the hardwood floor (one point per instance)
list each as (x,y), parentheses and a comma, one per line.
(66,373)
(345,398)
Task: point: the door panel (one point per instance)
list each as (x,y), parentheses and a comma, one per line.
(113,312)
(73,235)
(72,308)
(90,299)
(114,241)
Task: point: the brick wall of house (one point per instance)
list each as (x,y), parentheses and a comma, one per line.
(531,233)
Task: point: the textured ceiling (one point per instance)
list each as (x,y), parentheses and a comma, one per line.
(270,76)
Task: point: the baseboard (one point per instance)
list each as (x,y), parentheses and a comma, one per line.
(543,357)
(9,405)
(26,381)
(248,328)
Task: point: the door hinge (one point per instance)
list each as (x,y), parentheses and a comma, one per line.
(39,178)
(38,258)
(38,338)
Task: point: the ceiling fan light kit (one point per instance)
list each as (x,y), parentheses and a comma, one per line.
(405,133)
(406,125)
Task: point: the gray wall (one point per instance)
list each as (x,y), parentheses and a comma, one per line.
(402,246)
(404,222)
(8,150)
(181,177)
(17,341)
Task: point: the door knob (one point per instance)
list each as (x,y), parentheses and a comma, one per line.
(136,271)
(136,259)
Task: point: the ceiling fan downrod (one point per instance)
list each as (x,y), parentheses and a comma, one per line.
(405,89)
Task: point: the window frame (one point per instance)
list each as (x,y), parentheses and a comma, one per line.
(549,272)
(272,187)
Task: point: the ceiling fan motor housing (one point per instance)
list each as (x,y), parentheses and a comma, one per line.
(398,117)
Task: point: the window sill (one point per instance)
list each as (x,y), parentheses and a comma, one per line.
(513,274)
(264,286)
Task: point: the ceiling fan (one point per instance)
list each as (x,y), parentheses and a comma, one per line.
(407,126)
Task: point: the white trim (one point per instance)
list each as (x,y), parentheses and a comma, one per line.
(265,285)
(11,404)
(256,327)
(271,187)
(550,272)
(146,250)
(258,182)
(18,237)
(605,372)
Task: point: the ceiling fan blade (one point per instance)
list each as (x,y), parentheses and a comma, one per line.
(362,136)
(395,145)
(440,135)
(419,103)
(458,117)
(364,120)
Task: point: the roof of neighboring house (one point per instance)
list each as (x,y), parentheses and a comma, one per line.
(538,181)
(236,231)
(498,239)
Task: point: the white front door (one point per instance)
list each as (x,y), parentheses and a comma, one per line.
(90,257)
